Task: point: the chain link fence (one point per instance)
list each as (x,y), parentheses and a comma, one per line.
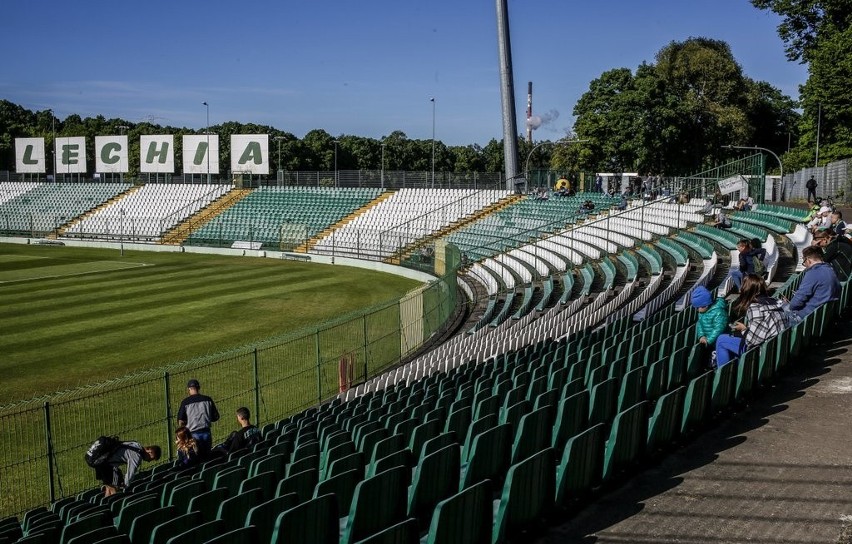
(834,180)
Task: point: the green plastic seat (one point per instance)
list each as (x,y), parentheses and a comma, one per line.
(350,462)
(233,511)
(626,442)
(182,494)
(341,486)
(533,434)
(272,461)
(579,469)
(463,517)
(230,479)
(311,522)
(664,423)
(490,452)
(696,402)
(143,526)
(130,510)
(302,484)
(242,535)
(476,427)
(528,495)
(166,530)
(603,401)
(435,478)
(305,463)
(264,515)
(404,532)
(572,415)
(95,535)
(208,503)
(84,525)
(724,381)
(265,482)
(378,503)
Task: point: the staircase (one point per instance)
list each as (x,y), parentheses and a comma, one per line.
(64,228)
(309,245)
(180,232)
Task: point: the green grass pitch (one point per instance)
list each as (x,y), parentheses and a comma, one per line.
(75,316)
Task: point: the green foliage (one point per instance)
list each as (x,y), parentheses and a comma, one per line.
(674,116)
(819,34)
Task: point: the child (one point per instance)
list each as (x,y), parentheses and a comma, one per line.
(712,316)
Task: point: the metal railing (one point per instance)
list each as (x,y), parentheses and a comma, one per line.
(833,180)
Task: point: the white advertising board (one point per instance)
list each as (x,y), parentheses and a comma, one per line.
(29,156)
(195,154)
(157,154)
(111,154)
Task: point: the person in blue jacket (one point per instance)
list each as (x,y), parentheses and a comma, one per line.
(712,316)
(819,283)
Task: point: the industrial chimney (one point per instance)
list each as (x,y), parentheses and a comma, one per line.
(529,112)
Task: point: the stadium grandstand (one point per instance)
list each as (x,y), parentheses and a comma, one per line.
(570,364)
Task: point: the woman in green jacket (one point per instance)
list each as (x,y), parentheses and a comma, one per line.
(712,316)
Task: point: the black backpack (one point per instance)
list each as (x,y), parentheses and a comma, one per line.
(101,450)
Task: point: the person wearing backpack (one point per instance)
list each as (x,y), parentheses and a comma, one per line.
(750,258)
(811,185)
(108,453)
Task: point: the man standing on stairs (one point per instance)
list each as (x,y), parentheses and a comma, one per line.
(197,412)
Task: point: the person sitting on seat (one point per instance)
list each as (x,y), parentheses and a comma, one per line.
(747,256)
(764,315)
(188,452)
(722,221)
(819,283)
(247,435)
(712,317)
(836,251)
(822,220)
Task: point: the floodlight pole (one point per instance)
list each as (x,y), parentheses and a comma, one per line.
(756,148)
(433,141)
(278,139)
(383,165)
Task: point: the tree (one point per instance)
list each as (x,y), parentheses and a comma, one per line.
(819,34)
(673,117)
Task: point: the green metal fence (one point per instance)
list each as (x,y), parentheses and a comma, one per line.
(704,184)
(43,440)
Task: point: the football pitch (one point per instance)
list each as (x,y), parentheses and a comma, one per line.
(76,316)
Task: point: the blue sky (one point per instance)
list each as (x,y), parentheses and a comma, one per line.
(365,67)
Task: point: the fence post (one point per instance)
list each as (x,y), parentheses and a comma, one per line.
(319,369)
(366,345)
(256,389)
(169,430)
(49,442)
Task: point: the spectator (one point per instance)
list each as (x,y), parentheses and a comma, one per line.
(712,316)
(707,209)
(819,283)
(187,448)
(599,184)
(822,220)
(765,317)
(622,203)
(722,221)
(130,453)
(247,435)
(197,412)
(836,251)
(838,225)
(811,185)
(747,264)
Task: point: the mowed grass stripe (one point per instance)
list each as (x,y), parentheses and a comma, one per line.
(181,288)
(62,332)
(267,294)
(61,270)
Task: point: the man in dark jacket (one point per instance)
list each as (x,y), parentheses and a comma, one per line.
(747,254)
(247,435)
(197,412)
(837,251)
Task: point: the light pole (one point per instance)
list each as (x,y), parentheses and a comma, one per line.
(121,238)
(53,130)
(756,148)
(819,122)
(336,182)
(383,165)
(433,141)
(121,129)
(278,139)
(207,131)
(529,156)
